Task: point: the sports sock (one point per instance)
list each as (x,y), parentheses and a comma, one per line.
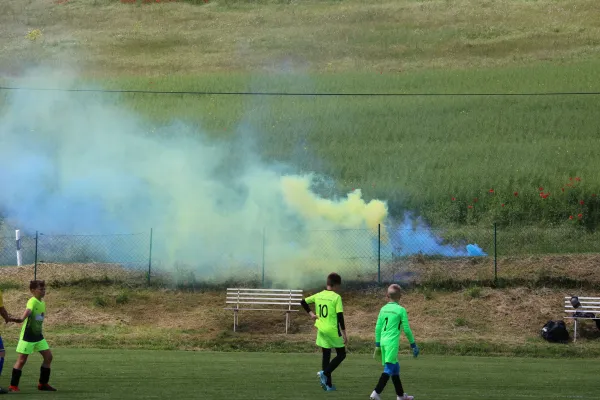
(44,375)
(16,377)
(339,357)
(383,380)
(1,364)
(326,359)
(398,385)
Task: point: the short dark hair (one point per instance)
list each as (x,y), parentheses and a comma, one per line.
(334,279)
(36,284)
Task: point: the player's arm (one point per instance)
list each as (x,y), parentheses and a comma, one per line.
(305,304)
(26,314)
(339,309)
(378,327)
(408,332)
(4,314)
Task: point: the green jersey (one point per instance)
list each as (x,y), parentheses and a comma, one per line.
(327,305)
(392,320)
(32,326)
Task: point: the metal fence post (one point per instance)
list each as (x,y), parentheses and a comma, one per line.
(150,258)
(36,256)
(495,254)
(379,253)
(263,256)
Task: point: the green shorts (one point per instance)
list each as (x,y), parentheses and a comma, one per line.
(329,341)
(31,347)
(389,353)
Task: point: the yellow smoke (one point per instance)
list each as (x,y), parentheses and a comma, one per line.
(352,212)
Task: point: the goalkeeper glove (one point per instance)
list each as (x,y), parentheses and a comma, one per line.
(415,349)
(377,351)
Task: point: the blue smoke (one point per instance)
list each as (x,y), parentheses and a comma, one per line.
(412,237)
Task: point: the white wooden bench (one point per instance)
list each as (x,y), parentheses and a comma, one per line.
(587,305)
(283,300)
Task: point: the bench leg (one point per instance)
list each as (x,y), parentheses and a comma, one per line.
(235,319)
(287,321)
(575,331)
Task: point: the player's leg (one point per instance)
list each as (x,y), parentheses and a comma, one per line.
(2,355)
(326,358)
(46,353)
(388,355)
(23,350)
(324,363)
(400,395)
(340,355)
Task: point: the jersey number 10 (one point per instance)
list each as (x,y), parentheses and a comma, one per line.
(323,311)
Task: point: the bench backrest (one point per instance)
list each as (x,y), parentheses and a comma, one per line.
(588,304)
(271,297)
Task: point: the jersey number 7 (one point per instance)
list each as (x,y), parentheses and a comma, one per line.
(386,322)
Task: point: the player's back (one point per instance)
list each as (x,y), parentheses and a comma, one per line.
(327,304)
(390,320)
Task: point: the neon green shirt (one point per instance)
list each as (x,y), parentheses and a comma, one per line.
(32,326)
(392,320)
(327,305)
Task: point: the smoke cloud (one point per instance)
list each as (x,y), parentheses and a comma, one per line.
(73,163)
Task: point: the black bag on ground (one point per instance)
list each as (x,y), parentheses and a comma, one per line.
(555,331)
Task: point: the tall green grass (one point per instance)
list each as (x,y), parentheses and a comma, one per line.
(417,152)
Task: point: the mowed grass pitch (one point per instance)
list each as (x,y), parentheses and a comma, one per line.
(136,374)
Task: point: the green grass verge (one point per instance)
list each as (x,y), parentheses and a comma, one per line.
(418,153)
(100,374)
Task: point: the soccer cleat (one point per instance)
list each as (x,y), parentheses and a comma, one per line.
(45,387)
(14,389)
(322,379)
(405,397)
(330,388)
(375,396)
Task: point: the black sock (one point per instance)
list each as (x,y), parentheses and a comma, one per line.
(16,377)
(398,385)
(339,357)
(326,359)
(383,380)
(44,375)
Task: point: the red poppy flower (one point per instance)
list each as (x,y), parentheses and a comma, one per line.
(578,179)
(541,189)
(502,204)
(454,198)
(563,189)
(581,202)
(516,194)
(470,206)
(579,216)
(491,190)
(570,217)
(570,179)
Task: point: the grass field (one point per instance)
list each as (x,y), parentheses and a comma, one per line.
(416,152)
(100,374)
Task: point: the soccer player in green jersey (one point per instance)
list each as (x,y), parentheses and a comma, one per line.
(392,320)
(331,330)
(32,339)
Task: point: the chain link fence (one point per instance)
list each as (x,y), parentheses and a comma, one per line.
(406,254)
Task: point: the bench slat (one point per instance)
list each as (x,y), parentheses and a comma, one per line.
(584,298)
(592,311)
(261,302)
(259,298)
(266,296)
(267,290)
(259,309)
